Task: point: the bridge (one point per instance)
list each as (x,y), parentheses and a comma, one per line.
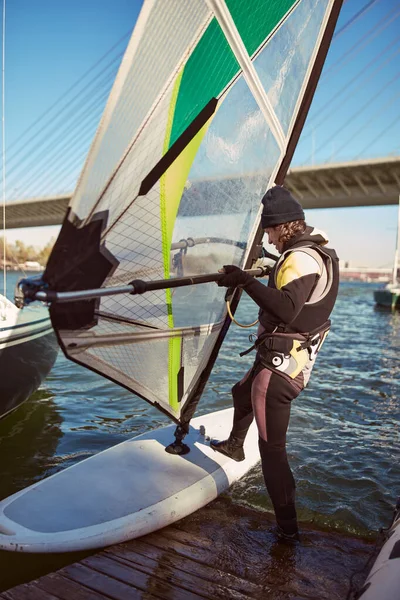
(361,183)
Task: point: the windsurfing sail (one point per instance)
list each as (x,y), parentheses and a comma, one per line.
(203,118)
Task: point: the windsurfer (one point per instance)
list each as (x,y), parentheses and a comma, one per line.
(293,323)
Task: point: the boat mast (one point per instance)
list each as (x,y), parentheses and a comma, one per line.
(397,252)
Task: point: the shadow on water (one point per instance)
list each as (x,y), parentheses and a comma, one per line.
(28,442)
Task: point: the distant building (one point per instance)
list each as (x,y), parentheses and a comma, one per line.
(368,274)
(31,265)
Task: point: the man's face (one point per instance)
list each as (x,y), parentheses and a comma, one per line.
(273,236)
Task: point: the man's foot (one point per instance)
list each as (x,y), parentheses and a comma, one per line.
(286,537)
(232,447)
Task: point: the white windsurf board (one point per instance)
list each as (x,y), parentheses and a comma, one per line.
(124,492)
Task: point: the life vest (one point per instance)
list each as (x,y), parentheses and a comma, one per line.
(325,263)
(290,353)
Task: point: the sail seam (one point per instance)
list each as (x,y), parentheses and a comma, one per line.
(115,93)
(179,66)
(136,337)
(177,147)
(250,74)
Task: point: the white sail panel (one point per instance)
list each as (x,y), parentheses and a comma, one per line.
(136,364)
(284,62)
(161,39)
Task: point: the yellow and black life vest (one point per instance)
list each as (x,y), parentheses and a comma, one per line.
(288,352)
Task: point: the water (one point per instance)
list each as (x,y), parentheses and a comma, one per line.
(343,441)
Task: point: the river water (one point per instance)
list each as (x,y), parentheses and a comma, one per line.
(343,441)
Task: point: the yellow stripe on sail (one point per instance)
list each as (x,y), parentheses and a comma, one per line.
(172,184)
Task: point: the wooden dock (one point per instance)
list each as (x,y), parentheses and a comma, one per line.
(223,551)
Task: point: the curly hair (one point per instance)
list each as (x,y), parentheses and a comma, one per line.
(291,229)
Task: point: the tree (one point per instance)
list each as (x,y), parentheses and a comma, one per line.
(44,253)
(9,250)
(19,253)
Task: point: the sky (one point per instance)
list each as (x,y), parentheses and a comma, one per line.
(61,58)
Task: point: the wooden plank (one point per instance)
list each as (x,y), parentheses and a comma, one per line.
(274,586)
(201,555)
(26,591)
(132,576)
(173,572)
(207,556)
(189,538)
(112,588)
(132,550)
(65,589)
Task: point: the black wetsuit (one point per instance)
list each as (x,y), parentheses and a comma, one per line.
(267,393)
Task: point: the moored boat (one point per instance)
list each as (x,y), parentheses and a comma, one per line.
(389,296)
(28,350)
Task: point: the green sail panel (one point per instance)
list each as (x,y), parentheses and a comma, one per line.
(254,22)
(200,83)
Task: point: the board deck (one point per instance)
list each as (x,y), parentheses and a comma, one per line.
(124,492)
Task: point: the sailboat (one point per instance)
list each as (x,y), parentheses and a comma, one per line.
(389,297)
(204,117)
(28,345)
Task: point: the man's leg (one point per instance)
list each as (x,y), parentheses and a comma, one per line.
(242,419)
(272,396)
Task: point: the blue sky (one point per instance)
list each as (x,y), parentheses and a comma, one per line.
(51,44)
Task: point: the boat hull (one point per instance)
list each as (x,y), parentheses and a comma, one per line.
(27,354)
(383,581)
(387,298)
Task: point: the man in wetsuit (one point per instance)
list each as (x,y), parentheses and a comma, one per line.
(293,323)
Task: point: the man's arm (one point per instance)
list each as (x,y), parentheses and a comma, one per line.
(296,279)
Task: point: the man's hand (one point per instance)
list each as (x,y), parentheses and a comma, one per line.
(233,277)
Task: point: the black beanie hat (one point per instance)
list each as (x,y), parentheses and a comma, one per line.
(280,207)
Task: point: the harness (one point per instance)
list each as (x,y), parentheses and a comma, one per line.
(289,352)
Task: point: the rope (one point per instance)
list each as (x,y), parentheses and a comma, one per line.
(228,308)
(4,150)
(353,19)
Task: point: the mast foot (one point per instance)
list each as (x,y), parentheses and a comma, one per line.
(178,447)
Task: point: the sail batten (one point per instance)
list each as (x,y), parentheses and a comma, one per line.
(202,119)
(236,43)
